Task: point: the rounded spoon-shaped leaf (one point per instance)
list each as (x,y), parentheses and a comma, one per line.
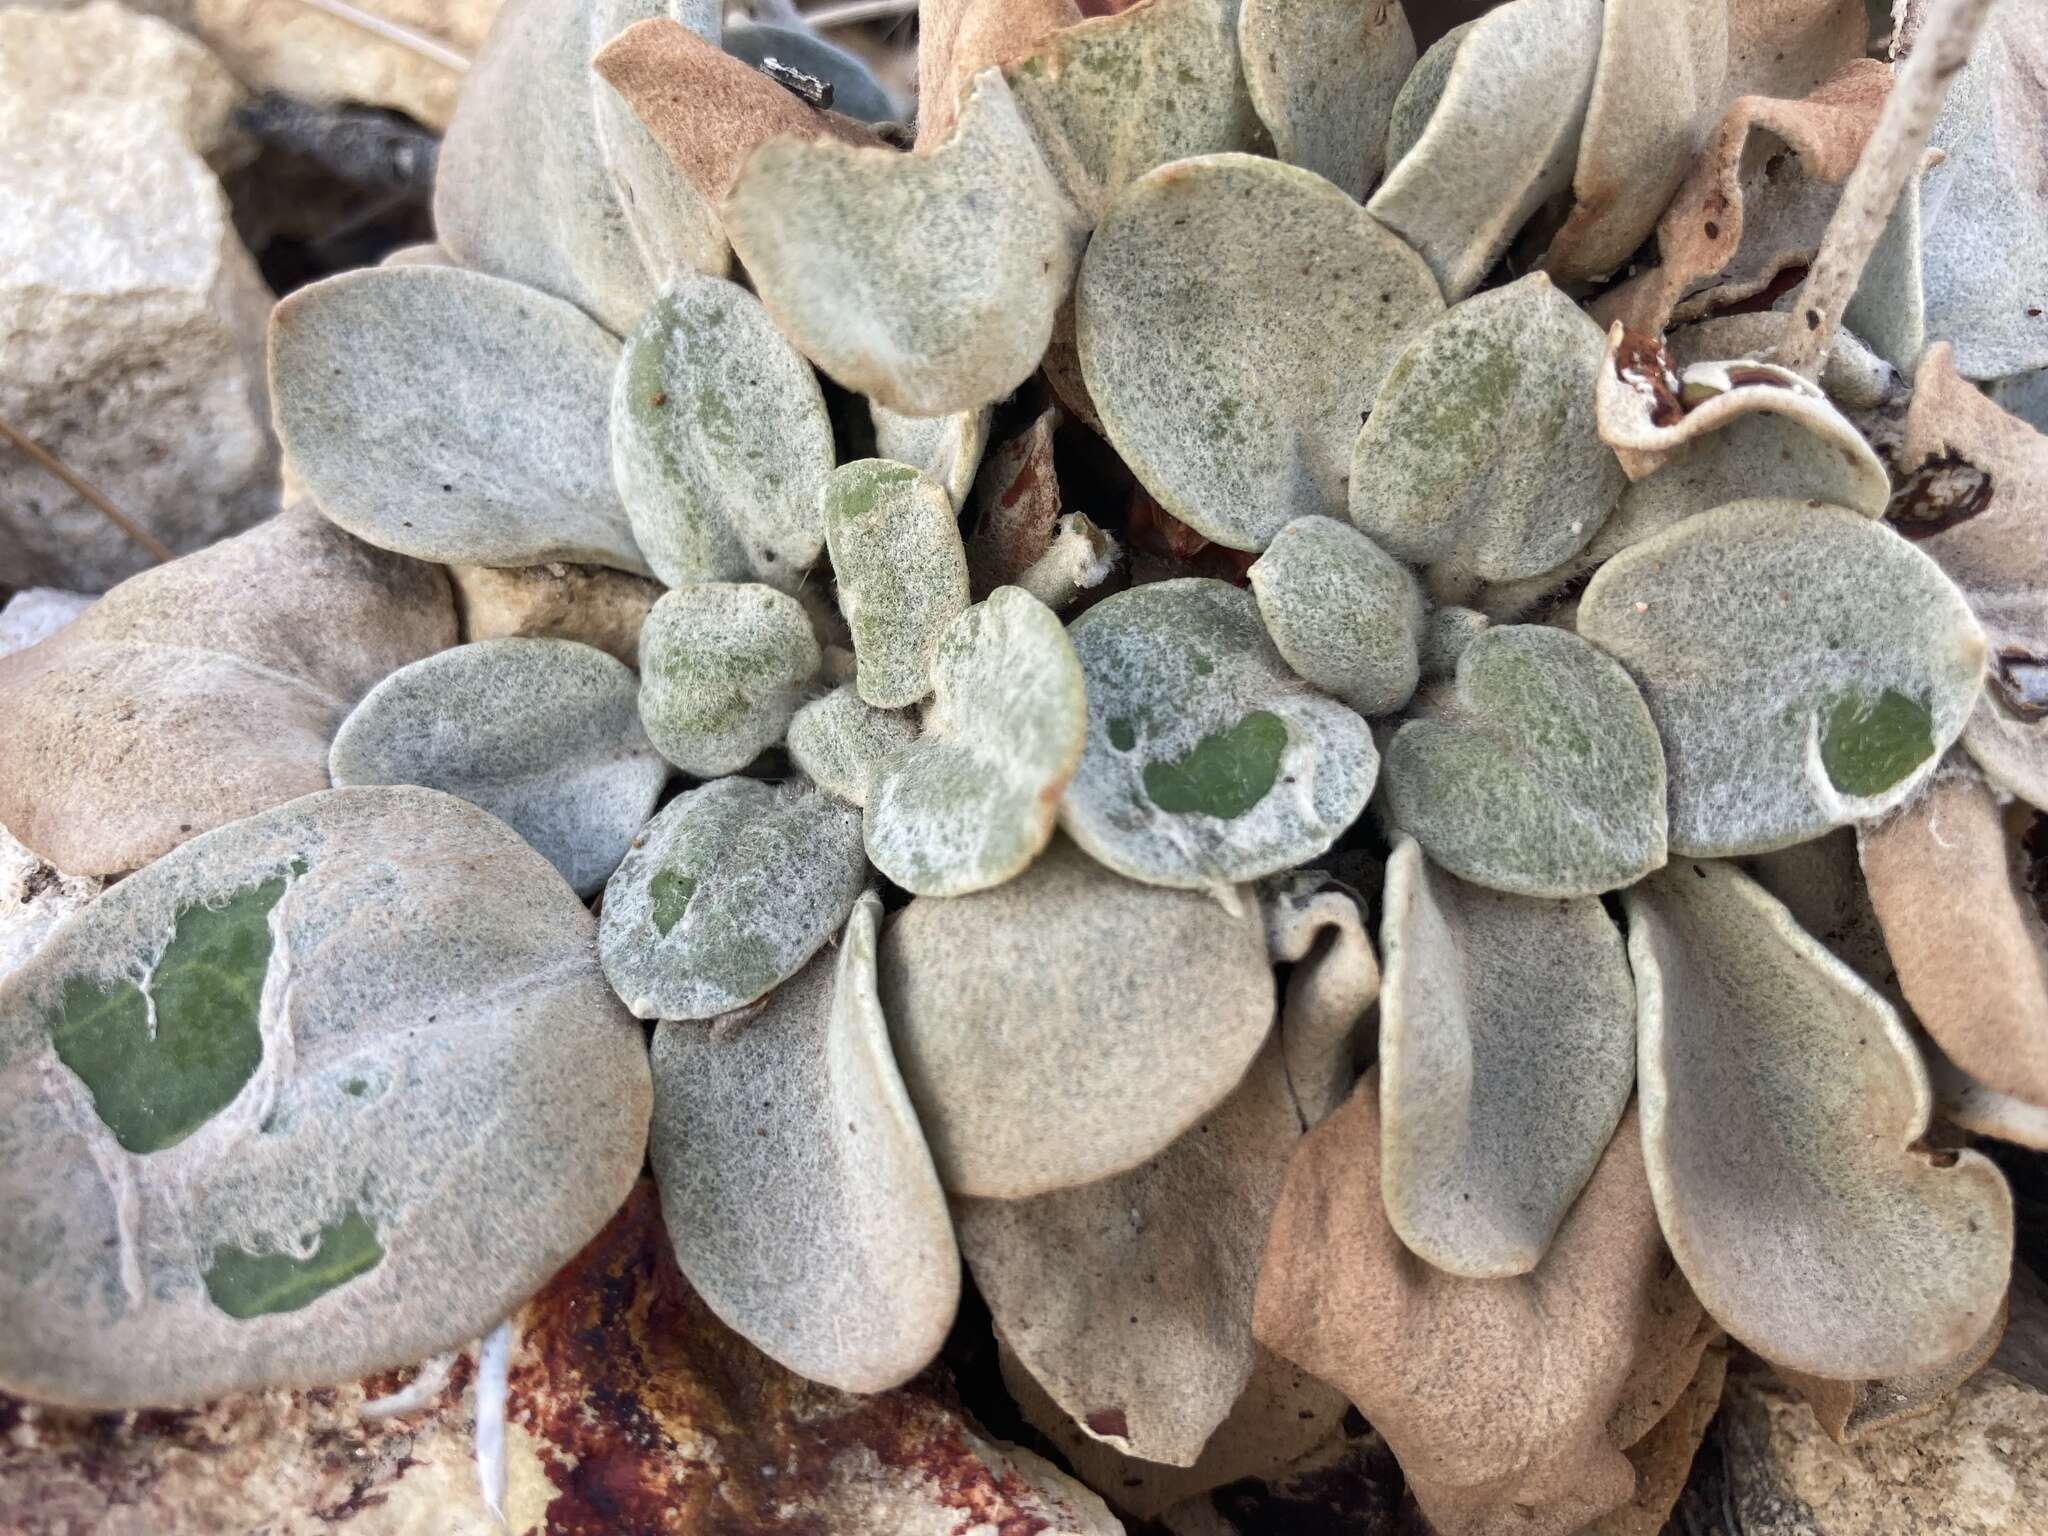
(1806,668)
(840,743)
(1345,614)
(927,282)
(1323,75)
(1782,1107)
(543,734)
(1316,926)
(975,796)
(1207,760)
(1501,138)
(1507,1055)
(722,668)
(795,1183)
(726,894)
(1237,441)
(320,1093)
(451,416)
(1480,452)
(1149,1368)
(1539,772)
(1033,1064)
(902,573)
(719,439)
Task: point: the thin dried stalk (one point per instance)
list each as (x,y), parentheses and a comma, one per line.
(44,459)
(426,47)
(1941,49)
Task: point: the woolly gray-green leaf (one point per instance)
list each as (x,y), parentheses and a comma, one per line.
(1445,634)
(1033,1064)
(1118,94)
(1481,452)
(841,743)
(1806,668)
(855,90)
(451,416)
(1415,102)
(1316,926)
(2025,396)
(902,573)
(543,734)
(1208,761)
(1540,774)
(1659,83)
(1323,75)
(1345,615)
(1152,1368)
(1782,1102)
(726,894)
(795,1183)
(405,1098)
(945,448)
(1501,141)
(1238,440)
(719,440)
(545,177)
(723,667)
(974,798)
(1507,1054)
(927,282)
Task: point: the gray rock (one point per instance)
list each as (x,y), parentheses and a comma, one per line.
(131,317)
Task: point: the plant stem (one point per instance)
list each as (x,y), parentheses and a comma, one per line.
(48,461)
(1893,153)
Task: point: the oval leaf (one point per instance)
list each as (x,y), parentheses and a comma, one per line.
(902,574)
(840,744)
(1323,75)
(1345,615)
(722,668)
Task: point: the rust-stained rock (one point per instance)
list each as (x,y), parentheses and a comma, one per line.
(632,1412)
(591,603)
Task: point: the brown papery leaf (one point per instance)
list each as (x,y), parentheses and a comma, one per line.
(958,39)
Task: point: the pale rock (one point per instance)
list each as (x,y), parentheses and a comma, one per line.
(36,614)
(131,317)
(556,601)
(34,898)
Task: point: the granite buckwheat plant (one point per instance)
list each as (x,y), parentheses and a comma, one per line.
(969,633)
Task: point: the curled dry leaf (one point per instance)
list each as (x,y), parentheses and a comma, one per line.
(452,417)
(1788,47)
(840,743)
(1207,761)
(1783,1105)
(1032,1065)
(795,1184)
(546,179)
(1647,410)
(976,795)
(1539,772)
(1239,441)
(1496,1395)
(1480,453)
(543,734)
(707,109)
(1119,94)
(726,894)
(1659,84)
(902,574)
(174,705)
(1323,75)
(1345,614)
(945,448)
(1806,668)
(958,39)
(1984,1111)
(1507,1055)
(1151,1369)
(719,439)
(1316,925)
(1499,139)
(723,666)
(1952,882)
(1663,1457)
(1852,375)
(254,1139)
(926,282)
(1756,199)
(1854,1410)
(1017,502)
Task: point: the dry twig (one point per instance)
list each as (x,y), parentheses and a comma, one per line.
(48,461)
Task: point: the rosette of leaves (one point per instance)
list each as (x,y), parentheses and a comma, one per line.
(1271,523)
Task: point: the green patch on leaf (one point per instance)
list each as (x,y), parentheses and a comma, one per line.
(1226,774)
(244,1284)
(1122,734)
(1868,743)
(154,1086)
(670,895)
